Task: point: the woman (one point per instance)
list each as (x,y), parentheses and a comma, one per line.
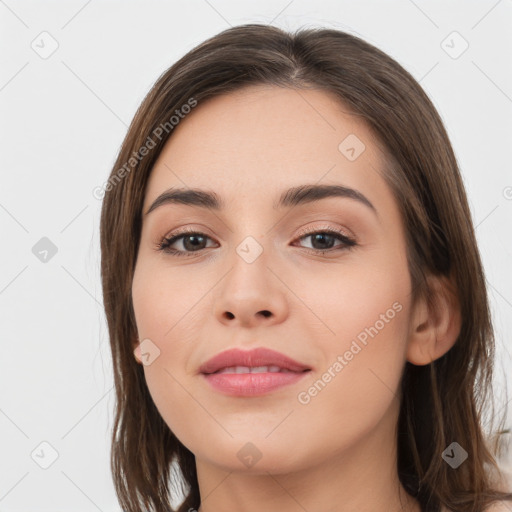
(294,294)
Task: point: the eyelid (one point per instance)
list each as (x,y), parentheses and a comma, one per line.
(179,232)
(327,227)
(188,229)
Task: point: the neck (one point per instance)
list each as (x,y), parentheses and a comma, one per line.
(362,477)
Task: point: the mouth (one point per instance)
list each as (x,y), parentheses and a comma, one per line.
(253,369)
(259,360)
(249,382)
(256,372)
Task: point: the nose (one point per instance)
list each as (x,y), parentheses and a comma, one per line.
(251,295)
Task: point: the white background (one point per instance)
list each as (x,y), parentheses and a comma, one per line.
(62,121)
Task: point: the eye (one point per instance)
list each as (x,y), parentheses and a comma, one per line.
(194,241)
(324,239)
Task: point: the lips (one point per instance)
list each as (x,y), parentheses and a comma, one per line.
(244,374)
(257,359)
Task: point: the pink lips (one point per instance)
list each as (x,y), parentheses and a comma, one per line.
(251,384)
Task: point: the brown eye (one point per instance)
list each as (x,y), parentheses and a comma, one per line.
(191,242)
(324,240)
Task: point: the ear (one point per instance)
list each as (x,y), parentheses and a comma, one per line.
(435,325)
(137,351)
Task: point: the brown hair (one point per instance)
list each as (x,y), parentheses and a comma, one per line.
(441,402)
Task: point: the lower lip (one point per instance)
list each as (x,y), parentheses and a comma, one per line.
(251,384)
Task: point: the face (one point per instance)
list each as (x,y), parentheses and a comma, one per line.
(322,279)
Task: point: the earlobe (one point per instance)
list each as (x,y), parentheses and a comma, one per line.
(137,351)
(435,325)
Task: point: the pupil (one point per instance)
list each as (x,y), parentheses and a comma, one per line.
(194,245)
(322,237)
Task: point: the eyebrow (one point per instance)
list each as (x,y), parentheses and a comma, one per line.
(292,197)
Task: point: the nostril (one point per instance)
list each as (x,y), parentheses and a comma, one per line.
(266,313)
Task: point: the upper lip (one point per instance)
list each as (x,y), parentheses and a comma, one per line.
(251,358)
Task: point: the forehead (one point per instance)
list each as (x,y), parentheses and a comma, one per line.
(252,143)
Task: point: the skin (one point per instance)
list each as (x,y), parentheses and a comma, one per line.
(337,452)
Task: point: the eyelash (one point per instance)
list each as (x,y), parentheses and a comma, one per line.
(166,242)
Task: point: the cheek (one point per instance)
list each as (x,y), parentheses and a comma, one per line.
(364,301)
(369,354)
(167,310)
(363,338)
(160,300)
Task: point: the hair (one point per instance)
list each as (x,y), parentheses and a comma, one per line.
(441,402)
